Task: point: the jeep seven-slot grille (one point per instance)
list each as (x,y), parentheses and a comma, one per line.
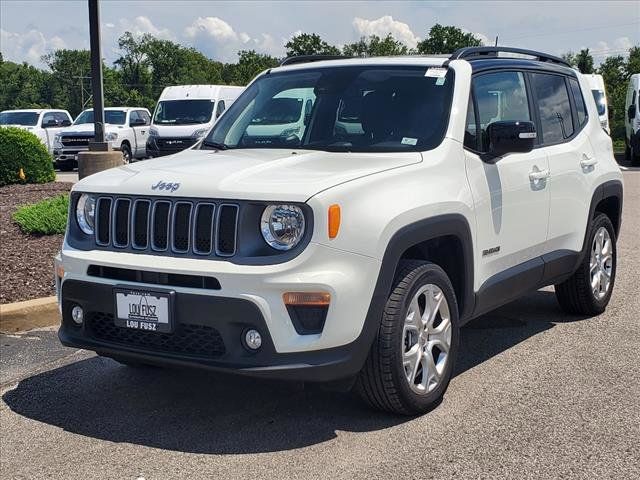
(171,226)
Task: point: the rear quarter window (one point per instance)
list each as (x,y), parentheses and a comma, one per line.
(578,99)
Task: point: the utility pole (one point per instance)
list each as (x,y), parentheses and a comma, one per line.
(99,156)
(98,144)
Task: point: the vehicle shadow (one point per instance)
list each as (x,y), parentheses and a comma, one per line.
(201,412)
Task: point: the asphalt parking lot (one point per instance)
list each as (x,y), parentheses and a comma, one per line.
(537,394)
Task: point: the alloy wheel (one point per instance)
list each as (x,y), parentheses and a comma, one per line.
(426,339)
(601,264)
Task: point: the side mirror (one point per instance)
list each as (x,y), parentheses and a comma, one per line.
(138,122)
(49,124)
(66,123)
(631,113)
(510,137)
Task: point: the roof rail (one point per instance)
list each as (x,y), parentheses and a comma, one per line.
(310,58)
(492,52)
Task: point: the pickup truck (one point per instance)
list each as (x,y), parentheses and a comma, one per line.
(43,123)
(126,128)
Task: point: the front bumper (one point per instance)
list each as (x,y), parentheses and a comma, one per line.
(249,297)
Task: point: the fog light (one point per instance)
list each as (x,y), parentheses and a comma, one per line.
(77,314)
(253,339)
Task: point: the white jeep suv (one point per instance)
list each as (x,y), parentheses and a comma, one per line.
(353,254)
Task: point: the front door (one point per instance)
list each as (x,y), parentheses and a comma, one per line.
(510,194)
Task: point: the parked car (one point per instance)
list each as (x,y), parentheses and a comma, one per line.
(632,121)
(596,83)
(185,113)
(126,128)
(351,256)
(43,123)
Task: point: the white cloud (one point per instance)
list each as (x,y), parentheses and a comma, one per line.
(218,39)
(141,25)
(386,25)
(29,46)
(600,50)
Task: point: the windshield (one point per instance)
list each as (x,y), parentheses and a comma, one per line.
(362,108)
(114,117)
(19,118)
(183,112)
(601,103)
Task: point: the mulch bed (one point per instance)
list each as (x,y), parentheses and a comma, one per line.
(26,269)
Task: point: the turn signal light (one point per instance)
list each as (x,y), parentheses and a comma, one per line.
(315,299)
(334,220)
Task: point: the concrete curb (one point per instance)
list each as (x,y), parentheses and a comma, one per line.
(23,316)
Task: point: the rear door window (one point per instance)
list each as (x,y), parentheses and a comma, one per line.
(578,99)
(554,107)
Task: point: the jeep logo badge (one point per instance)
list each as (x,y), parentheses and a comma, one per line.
(162,185)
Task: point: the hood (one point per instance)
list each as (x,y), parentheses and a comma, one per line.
(23,127)
(88,129)
(168,130)
(257,174)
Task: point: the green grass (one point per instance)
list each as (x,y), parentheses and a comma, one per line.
(46,217)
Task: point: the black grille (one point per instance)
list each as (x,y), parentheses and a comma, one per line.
(121,222)
(181,226)
(227,218)
(160,225)
(76,140)
(194,340)
(175,143)
(103,223)
(140,225)
(203,228)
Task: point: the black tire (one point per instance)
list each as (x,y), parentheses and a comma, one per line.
(635,157)
(126,153)
(65,167)
(382,382)
(575,295)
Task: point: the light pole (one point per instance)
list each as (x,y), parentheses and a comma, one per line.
(98,145)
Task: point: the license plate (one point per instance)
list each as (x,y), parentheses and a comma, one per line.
(144,310)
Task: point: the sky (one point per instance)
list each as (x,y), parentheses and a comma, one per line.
(32,28)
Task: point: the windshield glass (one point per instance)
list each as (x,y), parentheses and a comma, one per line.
(18,118)
(183,112)
(362,108)
(114,117)
(598,96)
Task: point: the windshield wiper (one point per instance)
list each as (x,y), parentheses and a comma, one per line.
(215,145)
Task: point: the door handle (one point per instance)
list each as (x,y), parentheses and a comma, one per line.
(588,161)
(536,175)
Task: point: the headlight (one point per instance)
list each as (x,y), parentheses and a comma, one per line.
(153,132)
(282,226)
(86,212)
(110,137)
(57,140)
(200,133)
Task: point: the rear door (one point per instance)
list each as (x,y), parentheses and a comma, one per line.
(510,194)
(562,117)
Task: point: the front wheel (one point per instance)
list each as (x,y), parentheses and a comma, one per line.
(588,290)
(126,153)
(411,360)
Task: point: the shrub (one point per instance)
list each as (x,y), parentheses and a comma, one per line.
(20,149)
(46,217)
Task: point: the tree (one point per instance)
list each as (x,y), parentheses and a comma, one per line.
(614,74)
(447,39)
(374,46)
(570,58)
(633,62)
(65,85)
(584,61)
(309,44)
(250,63)
(23,86)
(133,61)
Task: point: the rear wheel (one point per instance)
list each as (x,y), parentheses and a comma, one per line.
(635,157)
(411,360)
(588,290)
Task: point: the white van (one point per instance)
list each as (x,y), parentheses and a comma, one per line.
(596,84)
(185,113)
(632,121)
